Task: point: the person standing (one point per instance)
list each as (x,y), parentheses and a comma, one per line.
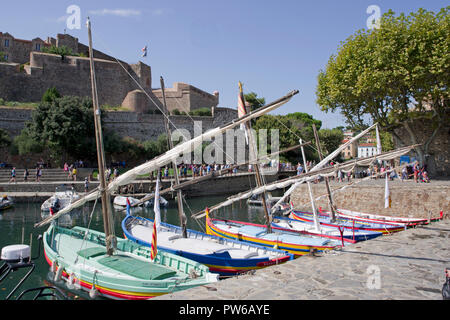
(416,171)
(86,184)
(25,175)
(38,174)
(74,174)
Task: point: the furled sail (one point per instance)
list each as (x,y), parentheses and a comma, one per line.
(311,175)
(169,156)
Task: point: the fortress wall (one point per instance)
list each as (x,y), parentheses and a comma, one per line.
(185,97)
(70,76)
(139,126)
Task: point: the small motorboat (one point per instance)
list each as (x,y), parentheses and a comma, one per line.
(121,201)
(149,203)
(6,202)
(63,196)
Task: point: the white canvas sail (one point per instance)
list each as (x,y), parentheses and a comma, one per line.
(168,157)
(310,176)
(342,147)
(378,140)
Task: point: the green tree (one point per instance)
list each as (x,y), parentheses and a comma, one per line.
(393,75)
(254,101)
(24,144)
(50,95)
(5,140)
(62,51)
(65,126)
(2,57)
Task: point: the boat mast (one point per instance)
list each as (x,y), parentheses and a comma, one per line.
(181,213)
(330,199)
(316,220)
(106,204)
(253,155)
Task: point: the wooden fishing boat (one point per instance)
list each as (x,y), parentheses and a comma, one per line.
(102,263)
(291,242)
(80,257)
(343,234)
(325,220)
(223,256)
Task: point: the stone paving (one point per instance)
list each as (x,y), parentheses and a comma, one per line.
(408,265)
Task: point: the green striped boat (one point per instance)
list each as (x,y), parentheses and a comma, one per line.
(78,256)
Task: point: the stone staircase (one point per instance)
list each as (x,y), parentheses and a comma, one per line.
(48,175)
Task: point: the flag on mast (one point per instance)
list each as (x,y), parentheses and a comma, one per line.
(128,207)
(387,194)
(144,51)
(156,222)
(241,109)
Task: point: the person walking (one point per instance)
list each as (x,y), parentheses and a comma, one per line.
(13,175)
(25,175)
(86,184)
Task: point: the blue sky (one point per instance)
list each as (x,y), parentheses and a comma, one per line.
(273,47)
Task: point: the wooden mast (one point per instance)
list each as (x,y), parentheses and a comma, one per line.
(253,153)
(330,199)
(181,214)
(106,203)
(313,205)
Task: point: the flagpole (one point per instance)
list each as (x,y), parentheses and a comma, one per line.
(181,213)
(253,153)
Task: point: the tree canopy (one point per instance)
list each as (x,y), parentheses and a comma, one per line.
(392,75)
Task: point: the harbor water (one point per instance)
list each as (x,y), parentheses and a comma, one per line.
(17,227)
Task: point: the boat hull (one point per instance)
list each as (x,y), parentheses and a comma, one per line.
(351,236)
(409,222)
(122,276)
(295,248)
(222,264)
(325,220)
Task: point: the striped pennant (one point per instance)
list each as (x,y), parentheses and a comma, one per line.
(154,249)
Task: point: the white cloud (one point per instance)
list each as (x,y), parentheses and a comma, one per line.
(116,12)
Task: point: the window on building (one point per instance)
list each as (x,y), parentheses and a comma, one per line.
(5,57)
(6,42)
(38,47)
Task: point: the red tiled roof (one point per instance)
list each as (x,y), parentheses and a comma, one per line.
(366,145)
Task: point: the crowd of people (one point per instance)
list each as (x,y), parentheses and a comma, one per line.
(26,174)
(379,170)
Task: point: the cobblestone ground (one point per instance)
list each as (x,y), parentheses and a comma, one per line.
(408,265)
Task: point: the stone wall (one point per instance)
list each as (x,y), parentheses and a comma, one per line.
(70,76)
(137,125)
(408,198)
(185,97)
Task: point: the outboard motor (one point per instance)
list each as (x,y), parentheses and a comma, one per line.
(55,205)
(18,256)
